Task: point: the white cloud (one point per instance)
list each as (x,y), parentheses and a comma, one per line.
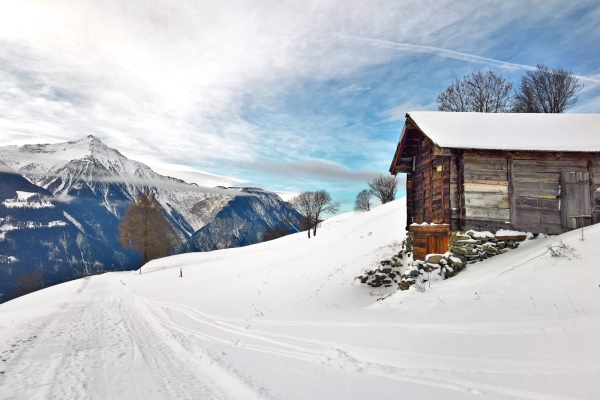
(64,198)
(312,169)
(189,174)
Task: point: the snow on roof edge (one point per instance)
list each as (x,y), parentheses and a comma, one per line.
(510,131)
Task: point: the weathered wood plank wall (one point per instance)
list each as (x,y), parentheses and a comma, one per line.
(455,190)
(522,191)
(537,191)
(576,207)
(409,200)
(430,186)
(486,198)
(596,188)
(420,182)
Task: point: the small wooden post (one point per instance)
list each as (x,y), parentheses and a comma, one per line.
(180,272)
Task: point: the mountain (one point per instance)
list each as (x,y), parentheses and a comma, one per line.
(87,186)
(242,221)
(37,233)
(100,177)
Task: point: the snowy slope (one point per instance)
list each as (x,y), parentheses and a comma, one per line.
(285,320)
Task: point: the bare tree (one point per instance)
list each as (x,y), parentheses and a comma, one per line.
(362,201)
(384,187)
(312,205)
(304,205)
(546,90)
(323,204)
(28,283)
(489,93)
(145,229)
(304,224)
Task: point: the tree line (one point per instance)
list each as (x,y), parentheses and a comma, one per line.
(542,90)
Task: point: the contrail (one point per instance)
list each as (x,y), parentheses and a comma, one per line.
(453,54)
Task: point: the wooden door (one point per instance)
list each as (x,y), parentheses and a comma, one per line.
(576,210)
(437,244)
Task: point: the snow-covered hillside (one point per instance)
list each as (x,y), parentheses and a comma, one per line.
(286,320)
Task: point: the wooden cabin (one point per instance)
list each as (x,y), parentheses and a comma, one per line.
(526,172)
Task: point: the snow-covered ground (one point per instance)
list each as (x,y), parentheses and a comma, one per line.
(286,320)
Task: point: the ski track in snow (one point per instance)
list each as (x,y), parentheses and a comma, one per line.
(351,358)
(102,345)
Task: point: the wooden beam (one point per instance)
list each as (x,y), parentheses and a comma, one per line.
(511,189)
(460,186)
(442,228)
(483,188)
(430,185)
(545,165)
(441,151)
(403,169)
(487,200)
(592,210)
(486,182)
(498,214)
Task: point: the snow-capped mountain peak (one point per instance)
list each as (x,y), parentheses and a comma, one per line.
(87,164)
(47,156)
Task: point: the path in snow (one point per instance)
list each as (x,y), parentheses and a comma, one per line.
(102,344)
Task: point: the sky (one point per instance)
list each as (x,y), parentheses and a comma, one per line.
(284,95)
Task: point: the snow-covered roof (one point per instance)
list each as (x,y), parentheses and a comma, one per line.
(486,131)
